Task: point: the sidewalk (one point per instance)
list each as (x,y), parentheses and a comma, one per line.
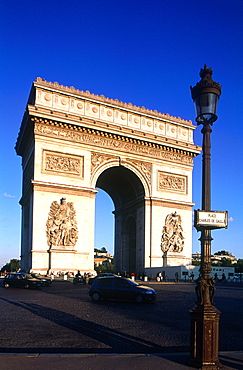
(229,360)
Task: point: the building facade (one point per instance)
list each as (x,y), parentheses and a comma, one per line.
(73,143)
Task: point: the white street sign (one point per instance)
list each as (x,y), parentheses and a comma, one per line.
(211,220)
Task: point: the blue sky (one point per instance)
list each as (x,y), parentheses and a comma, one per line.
(147,52)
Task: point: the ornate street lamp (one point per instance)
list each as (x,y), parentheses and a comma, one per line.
(205,316)
(205,95)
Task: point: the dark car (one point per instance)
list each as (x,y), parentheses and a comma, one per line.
(102,274)
(45,280)
(21,280)
(115,287)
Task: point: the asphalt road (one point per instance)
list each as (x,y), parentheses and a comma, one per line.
(63,319)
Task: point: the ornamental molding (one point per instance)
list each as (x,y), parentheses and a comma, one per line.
(170,182)
(98,159)
(101,98)
(49,187)
(144,167)
(59,163)
(167,203)
(111,141)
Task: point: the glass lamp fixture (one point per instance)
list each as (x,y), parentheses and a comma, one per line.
(205,95)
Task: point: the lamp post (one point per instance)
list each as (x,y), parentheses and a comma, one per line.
(205,316)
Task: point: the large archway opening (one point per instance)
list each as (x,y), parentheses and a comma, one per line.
(104,222)
(130,237)
(127,193)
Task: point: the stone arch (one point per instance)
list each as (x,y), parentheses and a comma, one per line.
(73,141)
(138,168)
(127,192)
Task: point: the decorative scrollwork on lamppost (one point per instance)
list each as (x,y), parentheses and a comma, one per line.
(205,316)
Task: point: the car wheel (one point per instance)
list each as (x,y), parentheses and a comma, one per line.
(95,297)
(6,285)
(139,298)
(26,286)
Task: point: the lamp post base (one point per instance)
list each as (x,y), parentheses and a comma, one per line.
(204,337)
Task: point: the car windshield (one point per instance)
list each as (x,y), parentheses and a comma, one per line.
(130,282)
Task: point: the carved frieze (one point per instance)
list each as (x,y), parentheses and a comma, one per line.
(172,183)
(172,238)
(113,141)
(62,163)
(61,226)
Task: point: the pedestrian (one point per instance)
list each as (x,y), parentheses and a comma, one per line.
(191,277)
(159,276)
(151,277)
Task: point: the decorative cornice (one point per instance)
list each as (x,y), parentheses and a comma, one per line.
(103,139)
(101,98)
(173,204)
(62,189)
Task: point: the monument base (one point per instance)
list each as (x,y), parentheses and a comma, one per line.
(173,259)
(57,260)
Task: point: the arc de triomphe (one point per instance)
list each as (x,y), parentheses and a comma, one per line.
(72,143)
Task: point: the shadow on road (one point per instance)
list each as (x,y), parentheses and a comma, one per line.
(116,341)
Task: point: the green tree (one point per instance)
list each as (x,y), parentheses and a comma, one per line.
(101,250)
(101,268)
(239,266)
(12,265)
(225,262)
(222,253)
(110,267)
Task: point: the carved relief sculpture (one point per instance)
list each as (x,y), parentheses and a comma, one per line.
(144,167)
(61,163)
(61,226)
(171,182)
(98,159)
(172,238)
